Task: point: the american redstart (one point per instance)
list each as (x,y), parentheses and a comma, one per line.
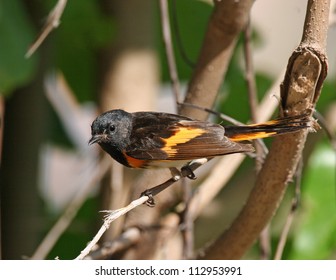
(153,139)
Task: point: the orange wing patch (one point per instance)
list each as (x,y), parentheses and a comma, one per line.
(181,136)
(251,136)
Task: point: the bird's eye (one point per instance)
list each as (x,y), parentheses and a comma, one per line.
(112,128)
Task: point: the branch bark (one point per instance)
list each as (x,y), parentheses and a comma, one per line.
(306,71)
(227,21)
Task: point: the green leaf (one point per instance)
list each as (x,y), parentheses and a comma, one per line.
(315,235)
(16,33)
(84,30)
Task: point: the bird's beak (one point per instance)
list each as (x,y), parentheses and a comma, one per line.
(95,138)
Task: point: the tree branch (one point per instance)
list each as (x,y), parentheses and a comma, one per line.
(305,74)
(146,197)
(53,22)
(165,24)
(227,21)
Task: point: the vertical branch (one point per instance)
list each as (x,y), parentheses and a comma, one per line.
(252,90)
(165,24)
(178,37)
(306,71)
(290,217)
(227,21)
(264,237)
(187,223)
(249,73)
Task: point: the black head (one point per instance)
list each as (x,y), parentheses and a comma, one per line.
(111,129)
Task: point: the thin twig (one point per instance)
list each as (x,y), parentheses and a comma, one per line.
(187,223)
(146,197)
(165,24)
(290,217)
(213,112)
(125,240)
(180,46)
(52,22)
(265,244)
(249,73)
(328,130)
(95,175)
(252,92)
(110,217)
(253,103)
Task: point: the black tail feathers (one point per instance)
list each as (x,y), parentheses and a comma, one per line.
(270,128)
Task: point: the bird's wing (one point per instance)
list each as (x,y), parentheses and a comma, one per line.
(181,139)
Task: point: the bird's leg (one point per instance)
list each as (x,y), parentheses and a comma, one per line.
(176,176)
(186,171)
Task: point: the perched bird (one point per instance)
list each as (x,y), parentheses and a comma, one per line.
(154,139)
